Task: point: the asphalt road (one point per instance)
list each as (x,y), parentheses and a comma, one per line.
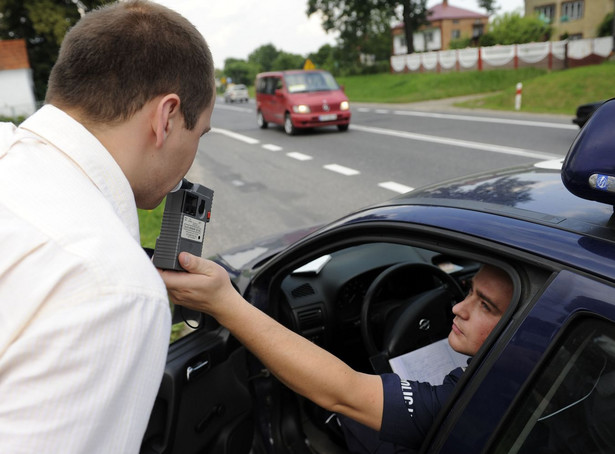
(266,182)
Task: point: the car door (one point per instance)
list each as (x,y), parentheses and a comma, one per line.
(546,382)
(203,404)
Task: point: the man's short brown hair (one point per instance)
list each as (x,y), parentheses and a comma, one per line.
(119,57)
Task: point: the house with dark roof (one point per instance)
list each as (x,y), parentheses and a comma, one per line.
(16,83)
(446,23)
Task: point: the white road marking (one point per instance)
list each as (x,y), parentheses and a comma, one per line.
(508,121)
(382,111)
(299,156)
(457,143)
(235,108)
(341,169)
(234,135)
(272,147)
(395,187)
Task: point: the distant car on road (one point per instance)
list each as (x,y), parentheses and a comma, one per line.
(236,92)
(300,99)
(585,111)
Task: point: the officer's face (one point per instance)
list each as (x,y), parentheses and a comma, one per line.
(480,311)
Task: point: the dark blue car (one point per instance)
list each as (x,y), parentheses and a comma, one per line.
(543,382)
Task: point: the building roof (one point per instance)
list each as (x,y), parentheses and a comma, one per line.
(445,11)
(13,54)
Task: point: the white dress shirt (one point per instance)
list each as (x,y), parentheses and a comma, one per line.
(84,315)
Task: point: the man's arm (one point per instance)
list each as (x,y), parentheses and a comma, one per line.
(298,363)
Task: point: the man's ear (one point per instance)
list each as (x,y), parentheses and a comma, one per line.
(166,116)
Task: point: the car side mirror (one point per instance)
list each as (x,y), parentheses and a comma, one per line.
(279,92)
(589,168)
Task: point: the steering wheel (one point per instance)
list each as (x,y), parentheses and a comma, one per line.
(408,322)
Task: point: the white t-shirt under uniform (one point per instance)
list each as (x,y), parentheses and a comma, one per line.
(84,315)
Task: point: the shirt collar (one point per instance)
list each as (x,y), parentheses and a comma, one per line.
(83,148)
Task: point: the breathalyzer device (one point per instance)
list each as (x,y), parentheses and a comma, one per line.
(186,214)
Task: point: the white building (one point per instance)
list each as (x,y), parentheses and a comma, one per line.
(16,84)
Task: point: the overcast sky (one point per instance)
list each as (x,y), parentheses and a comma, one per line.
(235,28)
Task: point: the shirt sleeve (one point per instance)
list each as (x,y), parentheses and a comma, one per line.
(410,407)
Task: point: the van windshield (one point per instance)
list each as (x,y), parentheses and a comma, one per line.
(310,81)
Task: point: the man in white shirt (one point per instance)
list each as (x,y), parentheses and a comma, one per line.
(84,315)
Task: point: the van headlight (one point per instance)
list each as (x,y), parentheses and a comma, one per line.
(344,105)
(301,108)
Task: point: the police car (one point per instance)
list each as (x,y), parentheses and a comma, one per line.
(543,382)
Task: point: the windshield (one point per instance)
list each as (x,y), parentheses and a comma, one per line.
(310,81)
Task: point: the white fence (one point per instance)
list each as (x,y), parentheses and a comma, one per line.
(550,54)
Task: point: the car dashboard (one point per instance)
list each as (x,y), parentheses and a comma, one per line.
(322,300)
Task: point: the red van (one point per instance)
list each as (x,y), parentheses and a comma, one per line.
(300,99)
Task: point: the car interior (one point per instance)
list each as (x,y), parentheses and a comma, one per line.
(366,303)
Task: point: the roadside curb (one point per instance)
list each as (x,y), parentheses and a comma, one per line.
(448,105)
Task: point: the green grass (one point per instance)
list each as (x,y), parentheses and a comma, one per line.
(414,87)
(559,92)
(149,225)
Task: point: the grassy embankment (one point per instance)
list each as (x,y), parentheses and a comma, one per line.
(558,92)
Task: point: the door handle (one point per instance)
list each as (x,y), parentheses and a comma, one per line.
(192,371)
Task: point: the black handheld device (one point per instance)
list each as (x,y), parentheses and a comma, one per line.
(186,214)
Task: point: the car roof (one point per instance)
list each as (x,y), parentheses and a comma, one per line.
(290,71)
(532,193)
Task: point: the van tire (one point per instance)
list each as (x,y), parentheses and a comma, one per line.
(289,127)
(260,120)
(343,128)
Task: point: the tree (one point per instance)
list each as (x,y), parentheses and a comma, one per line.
(263,57)
(357,19)
(606,26)
(285,61)
(488,5)
(240,71)
(42,24)
(512,28)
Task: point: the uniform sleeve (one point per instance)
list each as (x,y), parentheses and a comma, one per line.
(410,407)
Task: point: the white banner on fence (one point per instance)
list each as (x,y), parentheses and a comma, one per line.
(502,55)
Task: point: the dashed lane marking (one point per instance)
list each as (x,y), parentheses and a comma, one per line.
(299,156)
(234,135)
(395,187)
(272,147)
(341,169)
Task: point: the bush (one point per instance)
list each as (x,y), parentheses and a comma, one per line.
(460,43)
(15,120)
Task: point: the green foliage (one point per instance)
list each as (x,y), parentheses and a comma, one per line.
(402,88)
(606,26)
(43,24)
(15,120)
(512,28)
(263,57)
(460,43)
(487,39)
(284,61)
(240,71)
(149,225)
(489,5)
(359,21)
